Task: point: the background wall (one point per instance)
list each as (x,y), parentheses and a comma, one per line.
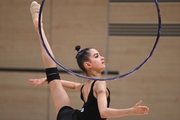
(91,23)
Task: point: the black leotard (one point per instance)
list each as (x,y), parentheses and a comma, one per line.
(89,110)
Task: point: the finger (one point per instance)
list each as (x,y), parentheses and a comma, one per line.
(139,103)
(145,108)
(146,112)
(31,81)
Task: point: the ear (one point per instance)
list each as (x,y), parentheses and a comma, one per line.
(87,65)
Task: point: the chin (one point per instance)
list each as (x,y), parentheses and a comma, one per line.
(103,68)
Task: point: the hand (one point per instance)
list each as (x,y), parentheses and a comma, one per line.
(38,82)
(140,110)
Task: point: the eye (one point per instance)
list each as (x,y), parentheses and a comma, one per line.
(96,56)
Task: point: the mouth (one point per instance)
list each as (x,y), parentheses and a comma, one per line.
(103,62)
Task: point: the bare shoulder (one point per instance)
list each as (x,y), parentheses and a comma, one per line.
(100,83)
(100,86)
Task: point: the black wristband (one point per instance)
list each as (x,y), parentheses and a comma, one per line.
(52,74)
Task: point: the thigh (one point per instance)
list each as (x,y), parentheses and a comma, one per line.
(59,95)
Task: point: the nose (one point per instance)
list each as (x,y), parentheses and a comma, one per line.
(102,58)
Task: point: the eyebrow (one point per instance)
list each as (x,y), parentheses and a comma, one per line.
(96,54)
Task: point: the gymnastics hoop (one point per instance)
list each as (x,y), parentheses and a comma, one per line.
(102,79)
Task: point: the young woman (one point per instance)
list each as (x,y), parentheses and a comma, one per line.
(95,94)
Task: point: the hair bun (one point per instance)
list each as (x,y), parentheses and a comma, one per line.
(77,48)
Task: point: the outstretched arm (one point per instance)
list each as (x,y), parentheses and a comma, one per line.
(66,84)
(105,112)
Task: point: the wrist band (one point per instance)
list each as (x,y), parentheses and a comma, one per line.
(52,74)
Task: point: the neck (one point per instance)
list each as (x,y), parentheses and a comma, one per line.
(94,74)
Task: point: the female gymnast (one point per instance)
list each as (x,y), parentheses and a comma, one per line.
(95,94)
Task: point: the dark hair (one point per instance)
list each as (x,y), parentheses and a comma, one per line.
(82,56)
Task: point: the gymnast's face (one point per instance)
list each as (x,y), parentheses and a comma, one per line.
(96,61)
